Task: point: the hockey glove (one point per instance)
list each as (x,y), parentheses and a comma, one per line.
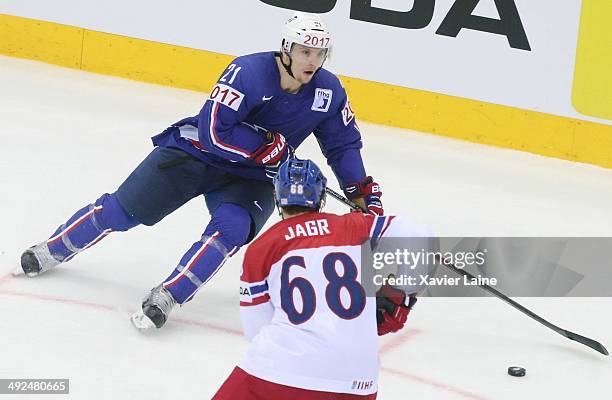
(369,191)
(392,309)
(273,151)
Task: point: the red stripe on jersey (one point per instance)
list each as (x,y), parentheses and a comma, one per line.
(345,230)
(217,141)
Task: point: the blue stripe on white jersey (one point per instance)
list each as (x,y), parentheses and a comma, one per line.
(249,291)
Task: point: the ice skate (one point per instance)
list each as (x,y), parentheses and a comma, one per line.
(37,259)
(155,309)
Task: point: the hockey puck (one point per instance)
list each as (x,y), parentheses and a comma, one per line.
(516,371)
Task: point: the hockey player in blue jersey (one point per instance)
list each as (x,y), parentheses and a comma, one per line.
(261,105)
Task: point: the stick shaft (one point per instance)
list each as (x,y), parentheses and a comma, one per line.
(344,200)
(595,345)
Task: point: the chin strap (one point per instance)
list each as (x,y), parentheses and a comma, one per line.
(287,66)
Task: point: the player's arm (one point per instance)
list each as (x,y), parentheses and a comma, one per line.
(221,127)
(340,142)
(256,310)
(394,302)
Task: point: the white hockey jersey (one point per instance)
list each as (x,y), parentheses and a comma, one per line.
(303,308)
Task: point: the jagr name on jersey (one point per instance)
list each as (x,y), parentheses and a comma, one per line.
(318,227)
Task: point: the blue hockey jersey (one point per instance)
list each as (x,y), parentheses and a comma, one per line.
(247,100)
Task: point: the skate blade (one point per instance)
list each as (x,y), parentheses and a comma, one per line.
(141,321)
(20,272)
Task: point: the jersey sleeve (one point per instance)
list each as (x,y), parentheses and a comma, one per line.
(340,141)
(221,127)
(256,310)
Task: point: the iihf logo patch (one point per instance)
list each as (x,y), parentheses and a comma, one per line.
(322,100)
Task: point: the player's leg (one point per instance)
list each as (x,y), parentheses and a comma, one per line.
(227,230)
(150,193)
(239,210)
(85,228)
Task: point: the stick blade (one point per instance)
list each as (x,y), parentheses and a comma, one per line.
(594,344)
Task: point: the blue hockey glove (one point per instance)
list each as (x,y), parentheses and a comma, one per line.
(369,191)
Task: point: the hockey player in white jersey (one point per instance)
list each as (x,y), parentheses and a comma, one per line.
(312,328)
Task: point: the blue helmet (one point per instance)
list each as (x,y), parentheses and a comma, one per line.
(300,183)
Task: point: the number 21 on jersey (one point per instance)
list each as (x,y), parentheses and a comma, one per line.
(230,70)
(225,94)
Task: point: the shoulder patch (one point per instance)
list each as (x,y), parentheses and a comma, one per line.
(322,100)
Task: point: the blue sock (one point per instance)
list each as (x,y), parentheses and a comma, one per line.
(227,230)
(88,226)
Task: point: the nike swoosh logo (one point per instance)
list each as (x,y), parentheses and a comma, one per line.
(266,98)
(257,204)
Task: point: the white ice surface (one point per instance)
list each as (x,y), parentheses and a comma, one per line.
(67,136)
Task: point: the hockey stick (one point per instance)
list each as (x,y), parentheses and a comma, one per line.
(344,200)
(595,345)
